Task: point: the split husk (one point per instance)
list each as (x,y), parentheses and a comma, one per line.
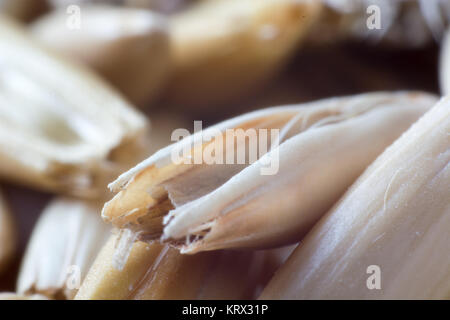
(395,217)
(324,147)
(62,129)
(128,47)
(67,238)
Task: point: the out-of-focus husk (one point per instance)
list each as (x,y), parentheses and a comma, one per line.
(406,23)
(163,6)
(15,296)
(8,237)
(395,217)
(64,243)
(129,47)
(444,65)
(22,9)
(223,49)
(62,129)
